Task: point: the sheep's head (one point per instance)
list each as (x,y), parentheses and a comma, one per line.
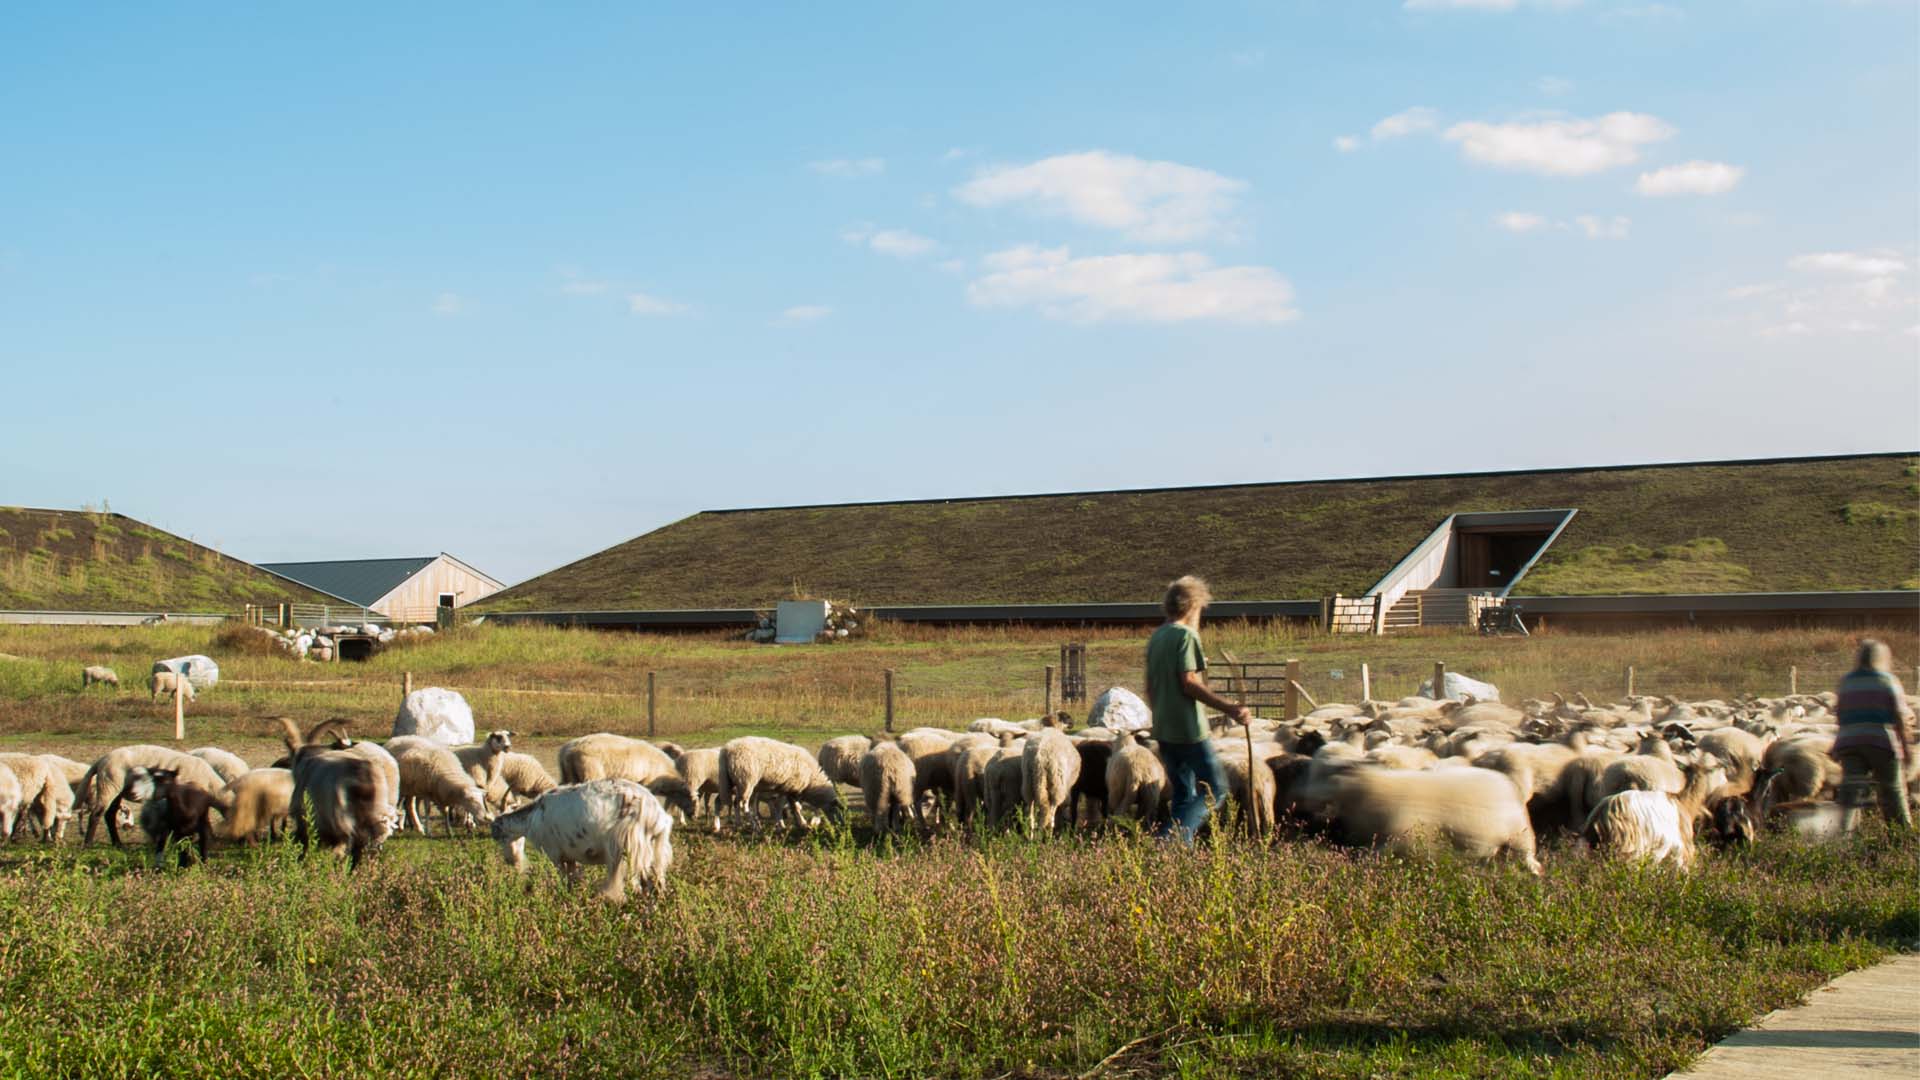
(499,742)
(473,803)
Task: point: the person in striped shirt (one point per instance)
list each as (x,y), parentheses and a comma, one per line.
(1875,727)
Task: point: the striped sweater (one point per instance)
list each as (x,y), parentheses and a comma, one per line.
(1872,711)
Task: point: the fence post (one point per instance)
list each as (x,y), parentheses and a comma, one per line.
(1439,680)
(1366,684)
(1048,711)
(649,704)
(889,679)
(406,685)
(179,710)
(1793,679)
(1629,680)
(1293,690)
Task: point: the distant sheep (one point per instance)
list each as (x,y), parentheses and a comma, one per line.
(168,683)
(611,822)
(95,674)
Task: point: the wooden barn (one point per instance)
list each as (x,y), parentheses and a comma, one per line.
(407,590)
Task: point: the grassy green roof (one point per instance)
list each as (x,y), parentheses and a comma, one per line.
(1807,524)
(77,560)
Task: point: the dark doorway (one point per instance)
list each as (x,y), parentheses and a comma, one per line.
(1490,558)
(355,648)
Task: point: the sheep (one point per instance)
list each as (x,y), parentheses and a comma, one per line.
(1095,754)
(172,810)
(260,798)
(840,758)
(1654,825)
(521,777)
(1796,770)
(1256,805)
(227,765)
(754,765)
(1477,811)
(1049,767)
(434,775)
(605,755)
(168,683)
(610,822)
(1136,782)
(969,765)
(933,769)
(1732,821)
(346,795)
(94,673)
(482,761)
(45,798)
(1002,782)
(886,787)
(10,800)
(1741,751)
(701,771)
(102,789)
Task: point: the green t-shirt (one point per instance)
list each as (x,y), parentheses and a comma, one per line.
(1172,651)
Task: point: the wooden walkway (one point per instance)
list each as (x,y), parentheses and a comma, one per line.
(1862,1024)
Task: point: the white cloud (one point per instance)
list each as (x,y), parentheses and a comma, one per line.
(899,243)
(1161,287)
(1691,178)
(644,304)
(1158,202)
(1346,144)
(1859,263)
(1415,121)
(1553,85)
(1569,147)
(448,304)
(849,166)
(1597,228)
(1520,221)
(805,313)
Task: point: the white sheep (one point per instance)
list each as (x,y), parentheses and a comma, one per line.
(103,788)
(605,755)
(886,786)
(94,673)
(434,775)
(1476,811)
(969,764)
(36,808)
(521,777)
(701,771)
(840,758)
(1002,782)
(483,761)
(11,797)
(256,799)
(168,683)
(228,765)
(1136,782)
(753,765)
(1049,765)
(613,823)
(1654,825)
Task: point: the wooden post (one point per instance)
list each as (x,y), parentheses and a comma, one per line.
(1439,680)
(889,674)
(1048,711)
(1293,690)
(406,684)
(179,710)
(1629,680)
(1793,679)
(1366,684)
(650,713)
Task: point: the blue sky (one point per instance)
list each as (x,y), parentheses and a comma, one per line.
(519,284)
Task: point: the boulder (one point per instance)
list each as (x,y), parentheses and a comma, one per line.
(1120,709)
(201,671)
(436,713)
(1459,686)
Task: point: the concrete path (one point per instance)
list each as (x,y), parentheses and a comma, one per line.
(1862,1024)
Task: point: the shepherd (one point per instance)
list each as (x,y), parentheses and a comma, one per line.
(1176,689)
(1875,728)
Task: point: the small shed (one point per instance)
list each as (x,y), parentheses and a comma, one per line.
(406,590)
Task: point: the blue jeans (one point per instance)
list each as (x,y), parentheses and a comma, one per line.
(1189,765)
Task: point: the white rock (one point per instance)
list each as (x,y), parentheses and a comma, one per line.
(1120,709)
(201,671)
(323,642)
(1458,686)
(437,713)
(370,630)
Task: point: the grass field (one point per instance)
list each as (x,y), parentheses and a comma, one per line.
(825,956)
(1812,524)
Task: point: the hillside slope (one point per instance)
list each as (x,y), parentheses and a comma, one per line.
(76,560)
(1809,524)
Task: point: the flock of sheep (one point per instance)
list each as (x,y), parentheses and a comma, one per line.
(1642,778)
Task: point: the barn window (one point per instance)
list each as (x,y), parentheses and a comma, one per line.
(446,599)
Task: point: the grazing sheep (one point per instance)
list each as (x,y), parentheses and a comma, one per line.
(260,798)
(95,674)
(1796,770)
(229,766)
(932,767)
(1049,767)
(753,765)
(886,786)
(37,800)
(1095,754)
(701,771)
(1256,802)
(10,800)
(1732,821)
(1742,752)
(103,789)
(521,777)
(1476,811)
(840,758)
(346,795)
(1136,782)
(969,764)
(606,756)
(172,810)
(168,683)
(1656,825)
(434,775)
(483,761)
(611,822)
(1001,784)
